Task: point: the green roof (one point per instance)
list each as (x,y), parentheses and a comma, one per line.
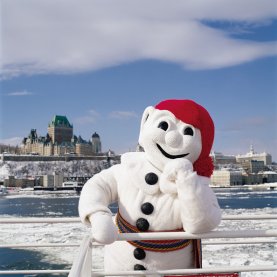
(60,120)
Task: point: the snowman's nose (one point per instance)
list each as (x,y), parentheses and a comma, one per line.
(173,139)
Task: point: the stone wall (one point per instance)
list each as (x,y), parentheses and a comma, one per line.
(38,158)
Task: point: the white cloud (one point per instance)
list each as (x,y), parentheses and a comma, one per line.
(11,141)
(20,93)
(123,114)
(91,117)
(67,36)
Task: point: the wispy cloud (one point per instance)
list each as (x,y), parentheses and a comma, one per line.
(123,114)
(89,118)
(93,34)
(20,93)
(11,141)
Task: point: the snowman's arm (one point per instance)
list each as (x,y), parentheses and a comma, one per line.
(200,211)
(98,192)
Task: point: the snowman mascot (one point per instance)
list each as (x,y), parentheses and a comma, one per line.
(163,189)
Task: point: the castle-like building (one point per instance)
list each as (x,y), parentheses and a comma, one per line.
(60,140)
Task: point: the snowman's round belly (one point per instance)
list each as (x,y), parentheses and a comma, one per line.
(122,255)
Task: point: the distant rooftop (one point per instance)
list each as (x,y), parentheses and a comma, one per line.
(252,153)
(60,121)
(95,135)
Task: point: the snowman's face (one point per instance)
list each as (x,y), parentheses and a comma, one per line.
(164,138)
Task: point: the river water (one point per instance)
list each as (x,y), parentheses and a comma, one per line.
(232,202)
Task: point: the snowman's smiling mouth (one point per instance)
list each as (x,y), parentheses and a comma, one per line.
(171,156)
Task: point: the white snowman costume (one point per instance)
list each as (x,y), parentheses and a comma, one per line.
(160,189)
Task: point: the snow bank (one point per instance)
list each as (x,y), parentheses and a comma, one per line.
(71,168)
(4,171)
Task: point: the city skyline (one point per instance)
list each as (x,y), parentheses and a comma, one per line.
(115,62)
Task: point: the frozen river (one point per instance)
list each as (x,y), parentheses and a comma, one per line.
(232,202)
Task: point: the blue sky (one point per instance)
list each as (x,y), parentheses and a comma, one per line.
(101,66)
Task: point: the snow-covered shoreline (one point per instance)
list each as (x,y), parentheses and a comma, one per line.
(70,168)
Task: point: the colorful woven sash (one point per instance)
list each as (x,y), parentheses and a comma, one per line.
(151,245)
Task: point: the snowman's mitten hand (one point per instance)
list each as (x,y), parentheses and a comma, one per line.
(173,168)
(172,172)
(103,228)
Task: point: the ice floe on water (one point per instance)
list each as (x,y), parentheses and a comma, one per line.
(243,254)
(213,255)
(45,195)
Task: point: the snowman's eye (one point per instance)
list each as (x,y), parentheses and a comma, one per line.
(188,131)
(163,125)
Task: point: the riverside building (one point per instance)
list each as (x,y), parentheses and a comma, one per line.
(252,155)
(219,158)
(249,169)
(226,178)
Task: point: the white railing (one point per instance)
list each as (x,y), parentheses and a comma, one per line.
(8,220)
(159,272)
(249,237)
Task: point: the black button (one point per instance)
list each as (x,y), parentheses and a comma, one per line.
(151,178)
(139,254)
(142,224)
(147,208)
(139,267)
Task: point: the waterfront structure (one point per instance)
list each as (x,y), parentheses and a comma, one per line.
(60,141)
(269,177)
(226,178)
(54,180)
(11,181)
(245,169)
(252,166)
(219,158)
(252,155)
(252,179)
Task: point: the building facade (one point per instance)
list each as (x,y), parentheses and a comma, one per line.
(55,180)
(252,155)
(96,143)
(252,166)
(219,158)
(269,177)
(60,130)
(252,179)
(11,181)
(225,178)
(60,141)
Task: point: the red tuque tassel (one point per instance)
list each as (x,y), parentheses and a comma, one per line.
(204,167)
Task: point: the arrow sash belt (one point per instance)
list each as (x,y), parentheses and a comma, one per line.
(151,245)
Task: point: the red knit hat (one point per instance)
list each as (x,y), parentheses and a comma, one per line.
(192,113)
